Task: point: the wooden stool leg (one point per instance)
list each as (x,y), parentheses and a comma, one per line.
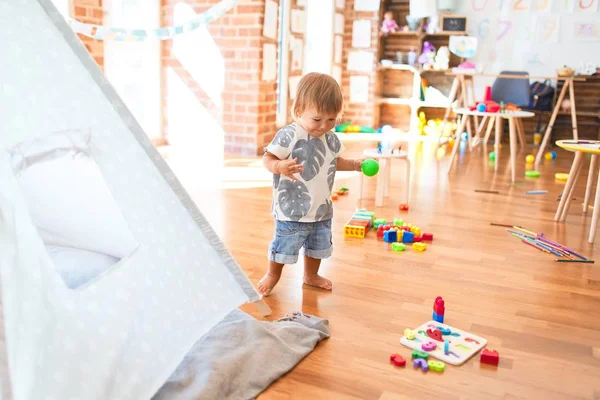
(595,213)
(513,147)
(571,193)
(538,158)
(521,132)
(588,186)
(573,111)
(488,131)
(463,121)
(568,185)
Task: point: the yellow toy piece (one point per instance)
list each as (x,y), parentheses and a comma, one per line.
(419,246)
(409,334)
(355,231)
(437,366)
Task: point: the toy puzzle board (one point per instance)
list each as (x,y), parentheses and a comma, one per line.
(463,345)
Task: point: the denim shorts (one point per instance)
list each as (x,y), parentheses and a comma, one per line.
(291,236)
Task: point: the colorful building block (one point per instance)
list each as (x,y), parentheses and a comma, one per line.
(408,237)
(403,207)
(419,354)
(397,360)
(490,357)
(379,222)
(356,228)
(398,222)
(398,247)
(334,196)
(437,318)
(439,307)
(437,366)
(418,239)
(420,363)
(428,236)
(409,334)
(429,346)
(380,231)
(419,246)
(390,236)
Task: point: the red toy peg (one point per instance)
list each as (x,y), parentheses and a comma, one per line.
(397,360)
(489,357)
(435,334)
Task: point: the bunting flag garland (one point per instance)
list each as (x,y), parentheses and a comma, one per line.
(100,32)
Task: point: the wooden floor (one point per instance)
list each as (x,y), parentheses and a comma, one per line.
(543,317)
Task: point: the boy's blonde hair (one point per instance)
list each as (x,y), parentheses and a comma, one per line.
(320,91)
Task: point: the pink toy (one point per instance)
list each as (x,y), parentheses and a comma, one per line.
(428,346)
(389,23)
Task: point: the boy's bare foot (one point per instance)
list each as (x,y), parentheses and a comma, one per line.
(318,281)
(267,283)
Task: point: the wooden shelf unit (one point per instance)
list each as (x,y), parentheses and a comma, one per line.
(398,86)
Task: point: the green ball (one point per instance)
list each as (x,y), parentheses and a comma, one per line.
(370,167)
(492,155)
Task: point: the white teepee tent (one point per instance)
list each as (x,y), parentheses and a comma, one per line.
(108,272)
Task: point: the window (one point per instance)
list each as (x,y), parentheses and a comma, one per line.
(72,207)
(283,72)
(319,36)
(133,68)
(64,7)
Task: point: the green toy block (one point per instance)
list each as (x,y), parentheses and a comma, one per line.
(379,221)
(419,354)
(398,246)
(398,221)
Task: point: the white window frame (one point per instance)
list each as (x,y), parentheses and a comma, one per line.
(151,120)
(283,64)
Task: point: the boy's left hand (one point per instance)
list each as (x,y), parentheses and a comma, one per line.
(358,164)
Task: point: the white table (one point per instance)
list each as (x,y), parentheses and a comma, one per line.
(385,173)
(493,119)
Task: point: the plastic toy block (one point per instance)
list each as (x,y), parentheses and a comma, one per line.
(418,239)
(437,318)
(435,334)
(445,331)
(403,207)
(405,228)
(409,334)
(398,247)
(437,366)
(420,363)
(380,231)
(439,306)
(334,196)
(419,354)
(398,222)
(416,231)
(489,357)
(429,346)
(343,189)
(408,237)
(355,228)
(386,228)
(428,236)
(390,236)
(379,222)
(419,246)
(397,360)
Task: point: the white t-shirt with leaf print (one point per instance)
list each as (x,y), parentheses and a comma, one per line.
(309,198)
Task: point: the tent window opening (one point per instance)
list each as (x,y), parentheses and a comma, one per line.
(72,207)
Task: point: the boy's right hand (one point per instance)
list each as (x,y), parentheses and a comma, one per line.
(289,167)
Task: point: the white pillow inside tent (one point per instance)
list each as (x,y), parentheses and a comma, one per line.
(68,198)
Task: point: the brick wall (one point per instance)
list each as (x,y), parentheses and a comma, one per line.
(247,108)
(359,113)
(90,12)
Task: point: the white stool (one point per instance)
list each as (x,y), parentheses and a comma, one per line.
(384,175)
